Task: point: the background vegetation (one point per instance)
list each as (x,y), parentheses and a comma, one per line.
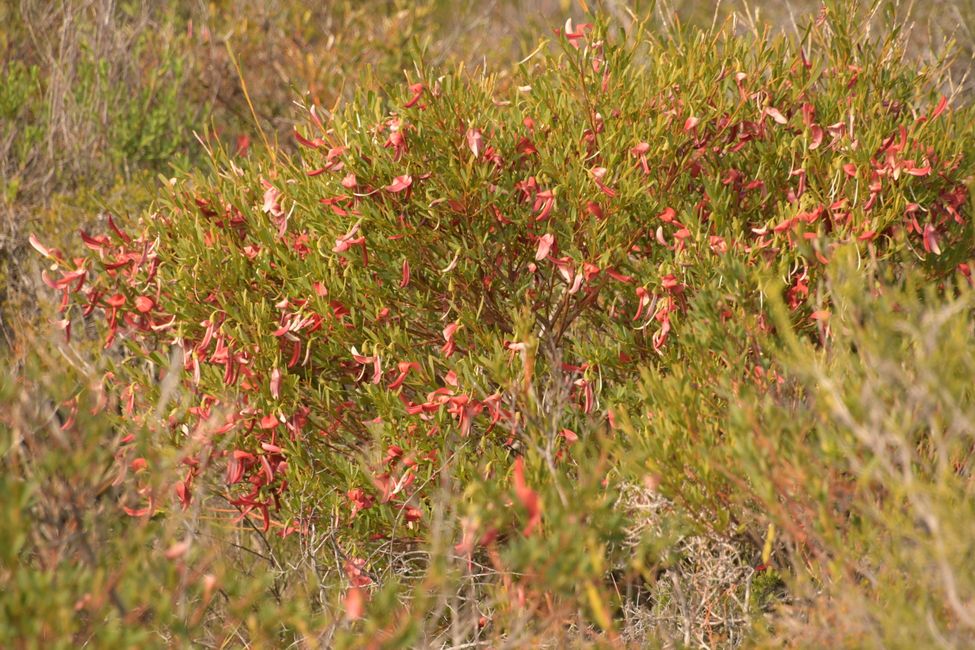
(775,449)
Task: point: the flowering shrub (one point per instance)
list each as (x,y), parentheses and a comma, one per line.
(487,305)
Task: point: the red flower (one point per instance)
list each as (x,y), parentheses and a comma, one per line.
(144,304)
(527,496)
(400,183)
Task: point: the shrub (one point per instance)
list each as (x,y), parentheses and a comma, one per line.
(471,315)
(76,570)
(98,97)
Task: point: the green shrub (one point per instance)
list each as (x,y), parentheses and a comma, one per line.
(20,134)
(464,319)
(77,571)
